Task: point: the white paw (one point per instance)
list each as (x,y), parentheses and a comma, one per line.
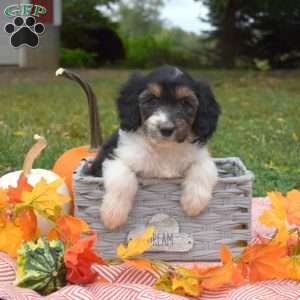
(113,216)
(194,203)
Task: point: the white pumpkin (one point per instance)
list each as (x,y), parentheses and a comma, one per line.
(33,177)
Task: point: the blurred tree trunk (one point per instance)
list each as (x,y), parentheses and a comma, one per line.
(227,42)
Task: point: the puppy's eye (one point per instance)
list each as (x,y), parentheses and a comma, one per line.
(152,101)
(186,102)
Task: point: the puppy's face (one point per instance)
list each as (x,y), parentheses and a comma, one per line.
(168,104)
(168,111)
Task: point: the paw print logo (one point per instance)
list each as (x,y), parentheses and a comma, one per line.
(24,32)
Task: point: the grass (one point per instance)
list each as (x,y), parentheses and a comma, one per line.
(260,120)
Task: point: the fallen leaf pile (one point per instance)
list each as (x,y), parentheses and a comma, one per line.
(78,257)
(267,258)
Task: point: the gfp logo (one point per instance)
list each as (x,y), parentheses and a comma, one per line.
(24,29)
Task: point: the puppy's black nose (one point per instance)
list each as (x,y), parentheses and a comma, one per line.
(166,131)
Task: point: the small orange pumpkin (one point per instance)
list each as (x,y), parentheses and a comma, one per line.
(67,163)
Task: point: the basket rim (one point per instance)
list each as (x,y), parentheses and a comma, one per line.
(247,176)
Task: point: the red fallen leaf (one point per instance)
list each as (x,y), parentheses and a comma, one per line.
(79,259)
(15,194)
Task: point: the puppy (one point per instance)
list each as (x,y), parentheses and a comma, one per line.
(166,120)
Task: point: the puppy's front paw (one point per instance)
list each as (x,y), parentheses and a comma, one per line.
(193,202)
(113,216)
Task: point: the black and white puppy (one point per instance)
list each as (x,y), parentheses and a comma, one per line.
(166,120)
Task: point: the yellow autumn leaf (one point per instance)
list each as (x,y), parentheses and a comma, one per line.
(45,199)
(184,272)
(164,283)
(10,238)
(186,286)
(277,210)
(136,246)
(2,220)
(292,207)
(181,281)
(276,217)
(292,264)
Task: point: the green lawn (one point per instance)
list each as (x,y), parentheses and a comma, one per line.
(260,121)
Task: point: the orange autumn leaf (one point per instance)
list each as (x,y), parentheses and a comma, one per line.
(79,259)
(3,198)
(276,217)
(69,228)
(226,257)
(263,262)
(140,263)
(237,276)
(15,194)
(2,220)
(27,221)
(225,254)
(220,277)
(14,231)
(203,269)
(227,274)
(53,234)
(10,237)
(292,207)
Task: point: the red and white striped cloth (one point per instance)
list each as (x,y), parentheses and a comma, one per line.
(128,283)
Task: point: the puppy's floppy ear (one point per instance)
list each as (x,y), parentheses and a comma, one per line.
(207,114)
(128,103)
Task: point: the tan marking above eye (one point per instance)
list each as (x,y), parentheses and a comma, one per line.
(184,92)
(154,89)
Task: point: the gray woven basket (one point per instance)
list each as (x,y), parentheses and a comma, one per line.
(177,236)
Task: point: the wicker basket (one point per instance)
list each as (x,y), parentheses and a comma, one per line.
(177,236)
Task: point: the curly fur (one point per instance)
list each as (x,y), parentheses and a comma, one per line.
(166,119)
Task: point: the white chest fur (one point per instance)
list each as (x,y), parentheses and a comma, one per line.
(163,159)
